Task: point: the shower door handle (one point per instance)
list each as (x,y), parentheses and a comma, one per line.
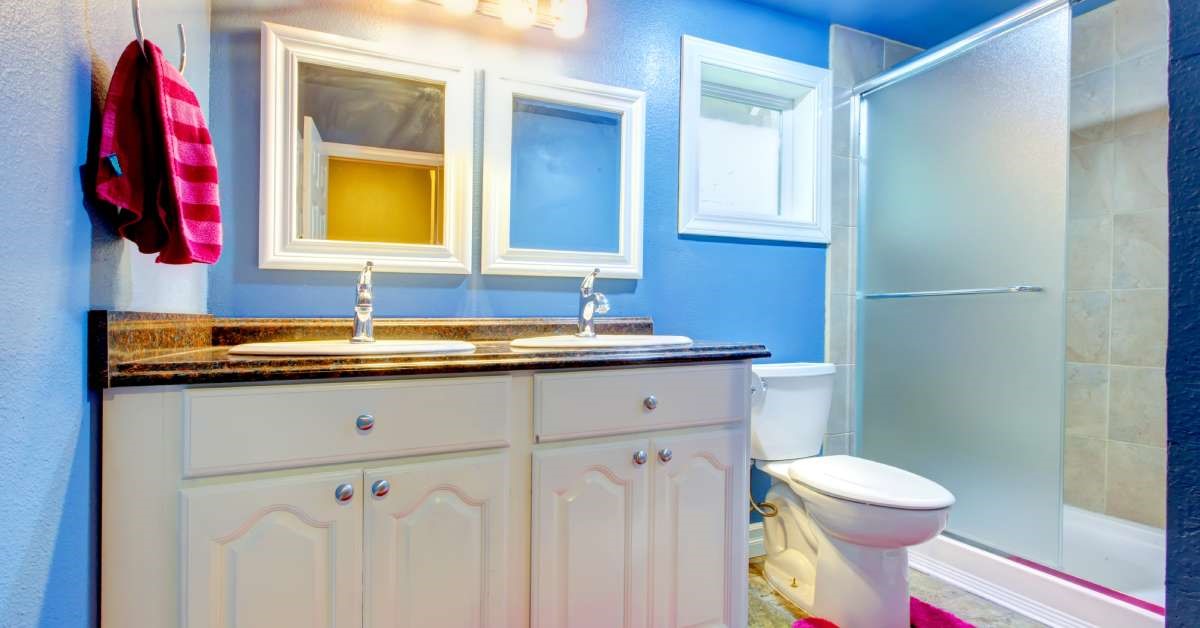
(953,293)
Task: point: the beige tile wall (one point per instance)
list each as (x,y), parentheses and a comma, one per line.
(1117,262)
(854,56)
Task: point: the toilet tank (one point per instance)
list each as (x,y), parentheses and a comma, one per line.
(789,409)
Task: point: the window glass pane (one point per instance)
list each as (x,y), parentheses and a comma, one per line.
(740,157)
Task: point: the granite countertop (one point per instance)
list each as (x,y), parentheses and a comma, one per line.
(136,349)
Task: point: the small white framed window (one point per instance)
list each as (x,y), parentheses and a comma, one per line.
(754,145)
(562,177)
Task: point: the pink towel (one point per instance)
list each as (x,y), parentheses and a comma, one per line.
(157,163)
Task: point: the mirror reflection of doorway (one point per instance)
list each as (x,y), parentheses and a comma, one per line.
(372,164)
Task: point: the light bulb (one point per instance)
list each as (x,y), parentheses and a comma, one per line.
(460,7)
(572,18)
(519,13)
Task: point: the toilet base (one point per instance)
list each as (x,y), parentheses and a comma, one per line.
(851,585)
(855,588)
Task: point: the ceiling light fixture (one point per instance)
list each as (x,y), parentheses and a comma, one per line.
(519,13)
(567,18)
(572,17)
(460,7)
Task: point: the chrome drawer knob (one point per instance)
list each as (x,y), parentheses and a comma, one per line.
(344,493)
(640,457)
(364,422)
(650,402)
(381,488)
(665,455)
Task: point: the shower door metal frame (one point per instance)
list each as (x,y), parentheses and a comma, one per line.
(920,63)
(963,43)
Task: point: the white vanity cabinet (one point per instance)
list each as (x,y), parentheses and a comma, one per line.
(699,529)
(591,536)
(412,545)
(589,498)
(273,552)
(641,532)
(435,544)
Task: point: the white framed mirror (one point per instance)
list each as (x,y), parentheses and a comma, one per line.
(754,145)
(562,182)
(366,154)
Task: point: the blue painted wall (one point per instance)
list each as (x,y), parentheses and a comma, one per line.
(54,57)
(1183,345)
(47,420)
(707,288)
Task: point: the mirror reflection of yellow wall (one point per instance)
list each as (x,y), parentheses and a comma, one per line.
(372,201)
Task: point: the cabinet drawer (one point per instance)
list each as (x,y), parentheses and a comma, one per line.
(594,403)
(269,427)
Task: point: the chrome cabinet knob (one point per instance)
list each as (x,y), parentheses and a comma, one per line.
(381,488)
(640,457)
(344,493)
(650,402)
(665,455)
(364,422)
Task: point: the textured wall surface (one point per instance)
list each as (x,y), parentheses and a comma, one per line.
(52,56)
(1115,452)
(854,56)
(1183,350)
(712,289)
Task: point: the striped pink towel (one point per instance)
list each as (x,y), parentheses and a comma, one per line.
(157,163)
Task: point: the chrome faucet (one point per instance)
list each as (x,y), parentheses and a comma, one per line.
(364,308)
(591,303)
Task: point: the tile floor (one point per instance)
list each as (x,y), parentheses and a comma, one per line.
(770,610)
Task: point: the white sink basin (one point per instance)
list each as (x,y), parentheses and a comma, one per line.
(600,341)
(345,347)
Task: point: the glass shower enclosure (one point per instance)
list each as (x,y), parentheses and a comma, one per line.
(961,275)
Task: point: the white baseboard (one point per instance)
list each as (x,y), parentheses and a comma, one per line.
(756,540)
(1040,596)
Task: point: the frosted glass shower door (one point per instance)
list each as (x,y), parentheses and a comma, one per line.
(965,188)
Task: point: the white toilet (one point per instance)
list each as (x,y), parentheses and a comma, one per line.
(838,547)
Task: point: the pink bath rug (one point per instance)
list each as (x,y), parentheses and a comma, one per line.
(814,622)
(921,615)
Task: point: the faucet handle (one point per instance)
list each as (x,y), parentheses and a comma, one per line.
(364,278)
(364,307)
(602,306)
(585,287)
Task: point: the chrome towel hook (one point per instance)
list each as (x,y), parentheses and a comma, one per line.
(137,29)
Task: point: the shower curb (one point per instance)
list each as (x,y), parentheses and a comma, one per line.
(1039,596)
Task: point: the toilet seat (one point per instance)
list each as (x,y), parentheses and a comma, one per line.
(864,481)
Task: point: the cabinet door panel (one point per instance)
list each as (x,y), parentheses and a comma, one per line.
(699,550)
(590,529)
(435,550)
(276,552)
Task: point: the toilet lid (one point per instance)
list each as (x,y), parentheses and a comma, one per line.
(867,482)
